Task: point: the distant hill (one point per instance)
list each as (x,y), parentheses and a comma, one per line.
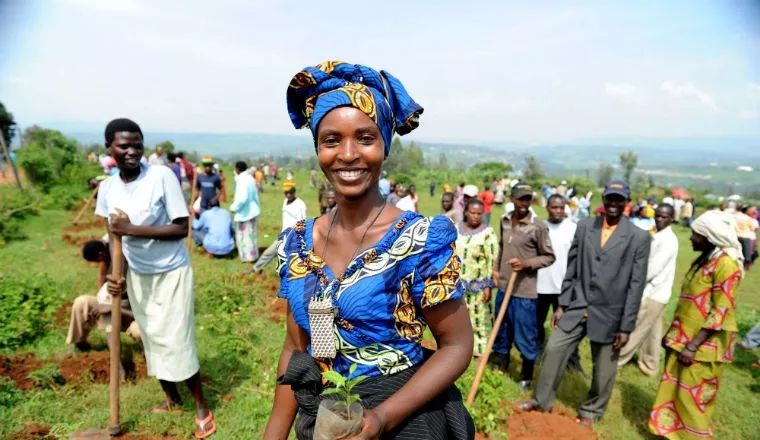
(221,144)
(705,161)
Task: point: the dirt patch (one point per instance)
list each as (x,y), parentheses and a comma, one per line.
(7,177)
(33,431)
(63,315)
(91,367)
(96,434)
(538,426)
(84,231)
(18,368)
(86,367)
(84,225)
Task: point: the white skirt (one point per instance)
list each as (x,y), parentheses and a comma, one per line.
(163,305)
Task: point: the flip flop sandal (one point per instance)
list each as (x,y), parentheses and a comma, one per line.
(206,427)
(169,409)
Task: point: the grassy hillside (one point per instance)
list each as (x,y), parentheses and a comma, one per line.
(240,330)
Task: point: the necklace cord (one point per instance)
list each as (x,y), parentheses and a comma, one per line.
(361,242)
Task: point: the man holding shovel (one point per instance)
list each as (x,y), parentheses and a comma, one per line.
(525,247)
(601,292)
(145,208)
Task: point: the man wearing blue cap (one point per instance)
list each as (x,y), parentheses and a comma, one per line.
(601,293)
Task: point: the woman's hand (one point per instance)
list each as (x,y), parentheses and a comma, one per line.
(116,287)
(686,356)
(486,295)
(119,223)
(373,425)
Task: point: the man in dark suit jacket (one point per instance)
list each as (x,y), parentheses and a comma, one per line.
(601,293)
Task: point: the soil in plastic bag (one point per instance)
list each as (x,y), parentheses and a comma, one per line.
(332,423)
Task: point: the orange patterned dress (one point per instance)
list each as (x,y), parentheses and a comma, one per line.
(686,397)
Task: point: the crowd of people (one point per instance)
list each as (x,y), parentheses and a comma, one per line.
(366,277)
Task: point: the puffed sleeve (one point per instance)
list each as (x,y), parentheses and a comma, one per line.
(283,260)
(436,275)
(722,298)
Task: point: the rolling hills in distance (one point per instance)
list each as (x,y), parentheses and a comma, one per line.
(707,161)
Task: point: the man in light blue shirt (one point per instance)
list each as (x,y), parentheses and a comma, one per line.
(213,230)
(385,185)
(246,207)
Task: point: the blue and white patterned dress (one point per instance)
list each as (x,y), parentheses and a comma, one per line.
(380,302)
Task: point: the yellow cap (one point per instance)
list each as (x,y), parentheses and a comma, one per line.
(288,185)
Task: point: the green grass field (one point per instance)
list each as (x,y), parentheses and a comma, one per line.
(239,336)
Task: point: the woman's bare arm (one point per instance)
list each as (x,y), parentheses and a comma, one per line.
(285,407)
(450,324)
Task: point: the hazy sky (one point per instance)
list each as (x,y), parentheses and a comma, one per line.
(488,70)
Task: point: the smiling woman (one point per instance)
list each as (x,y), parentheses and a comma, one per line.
(144,205)
(363,281)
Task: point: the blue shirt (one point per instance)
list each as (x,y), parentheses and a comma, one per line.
(245,205)
(207,184)
(380,321)
(217,224)
(385,187)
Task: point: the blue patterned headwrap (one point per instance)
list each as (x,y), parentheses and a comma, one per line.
(314,91)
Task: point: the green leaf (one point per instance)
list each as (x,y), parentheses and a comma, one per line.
(351,369)
(330,391)
(334,377)
(357,380)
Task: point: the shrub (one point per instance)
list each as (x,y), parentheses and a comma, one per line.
(27,302)
(15,206)
(51,160)
(9,394)
(48,376)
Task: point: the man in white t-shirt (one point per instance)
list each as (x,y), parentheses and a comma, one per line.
(661,271)
(549,282)
(293,211)
(158,157)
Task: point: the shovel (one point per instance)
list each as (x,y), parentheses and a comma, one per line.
(86,205)
(491,340)
(114,427)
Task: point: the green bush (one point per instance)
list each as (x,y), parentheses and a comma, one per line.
(28,303)
(15,206)
(56,165)
(488,410)
(9,394)
(48,376)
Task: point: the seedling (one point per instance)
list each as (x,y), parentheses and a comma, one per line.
(344,387)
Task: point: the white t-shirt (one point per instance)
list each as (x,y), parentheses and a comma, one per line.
(155,159)
(406,204)
(153,199)
(292,213)
(550,278)
(661,269)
